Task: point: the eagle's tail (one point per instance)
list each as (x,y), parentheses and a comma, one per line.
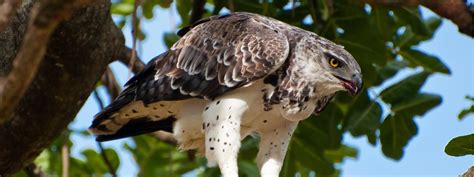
(139,126)
(127,117)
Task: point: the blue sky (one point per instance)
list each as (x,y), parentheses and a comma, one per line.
(425,153)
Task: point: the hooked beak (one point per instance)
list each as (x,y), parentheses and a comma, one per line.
(354,86)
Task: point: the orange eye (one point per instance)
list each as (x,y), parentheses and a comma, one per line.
(334,63)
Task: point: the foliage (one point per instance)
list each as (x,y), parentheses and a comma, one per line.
(383,40)
(462,145)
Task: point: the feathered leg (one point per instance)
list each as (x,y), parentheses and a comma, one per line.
(272,148)
(222,133)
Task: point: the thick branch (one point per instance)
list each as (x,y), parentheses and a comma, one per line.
(78,53)
(7,10)
(455,10)
(43,20)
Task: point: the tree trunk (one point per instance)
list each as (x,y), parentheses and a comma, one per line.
(78,53)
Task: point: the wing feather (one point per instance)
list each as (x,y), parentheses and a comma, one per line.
(229,50)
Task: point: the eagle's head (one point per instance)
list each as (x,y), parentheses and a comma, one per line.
(336,69)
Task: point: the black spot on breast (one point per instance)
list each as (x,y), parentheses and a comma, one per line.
(126,115)
(217,118)
(211,148)
(162,105)
(134,111)
(264,121)
(207,125)
(206,108)
(210,139)
(218,102)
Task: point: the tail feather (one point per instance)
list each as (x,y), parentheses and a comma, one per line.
(139,126)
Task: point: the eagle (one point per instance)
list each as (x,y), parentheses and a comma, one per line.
(227,77)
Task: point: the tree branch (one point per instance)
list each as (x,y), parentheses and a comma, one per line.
(101,148)
(44,18)
(126,57)
(74,61)
(111,84)
(455,10)
(106,160)
(7,10)
(133,54)
(65,159)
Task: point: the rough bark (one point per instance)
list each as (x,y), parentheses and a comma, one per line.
(43,19)
(7,10)
(77,55)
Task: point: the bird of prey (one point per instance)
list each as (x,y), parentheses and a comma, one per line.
(227,77)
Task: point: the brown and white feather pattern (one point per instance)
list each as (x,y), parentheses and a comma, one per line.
(212,58)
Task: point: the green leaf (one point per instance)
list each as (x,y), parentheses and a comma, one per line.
(170,39)
(248,6)
(460,146)
(428,62)
(410,38)
(248,169)
(381,19)
(364,117)
(337,156)
(406,88)
(466,112)
(21,173)
(328,122)
(389,70)
(412,17)
(310,159)
(123,9)
(395,133)
(95,162)
(184,8)
(113,158)
(417,105)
